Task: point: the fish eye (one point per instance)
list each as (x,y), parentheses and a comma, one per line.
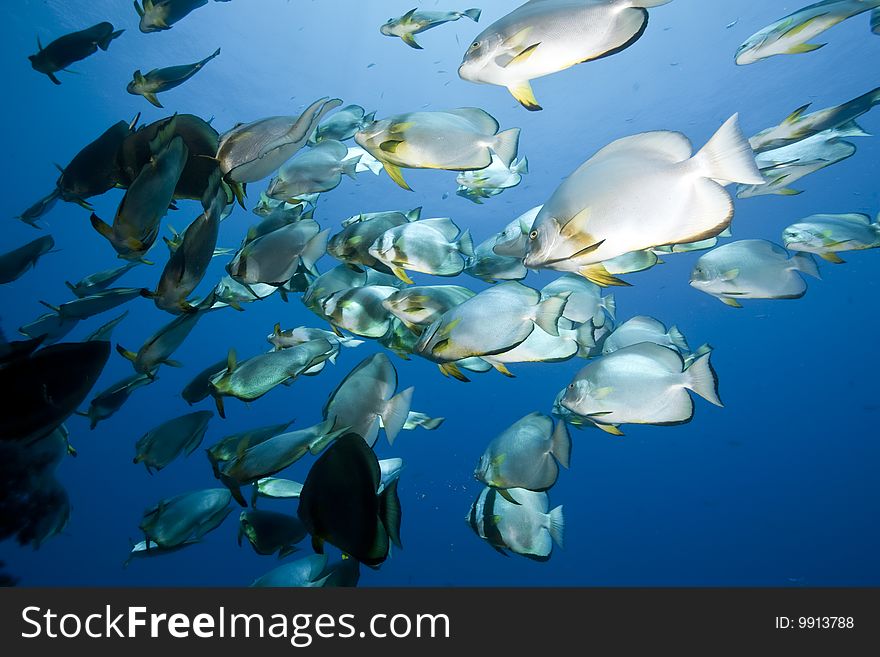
(475,45)
(571,386)
(533,235)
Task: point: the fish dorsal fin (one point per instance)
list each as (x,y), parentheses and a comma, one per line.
(478,118)
(647,324)
(442,225)
(668,145)
(407,17)
(138,9)
(39,43)
(231,360)
(856,218)
(794,116)
(276,329)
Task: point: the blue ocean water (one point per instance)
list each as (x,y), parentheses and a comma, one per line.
(778,488)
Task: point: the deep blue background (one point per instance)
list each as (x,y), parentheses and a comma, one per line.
(778,488)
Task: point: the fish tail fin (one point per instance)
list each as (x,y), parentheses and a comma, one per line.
(677,338)
(805,263)
(211,56)
(349,167)
(701,378)
(473,14)
(875,28)
(466,244)
(728,158)
(395,412)
(315,249)
(557,526)
(521,166)
(549,312)
(610,306)
(851,129)
(560,444)
(104,43)
(390,512)
(507,145)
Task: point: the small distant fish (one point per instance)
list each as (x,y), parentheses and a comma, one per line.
(525,526)
(359,310)
(352,244)
(255,460)
(456,140)
(826,235)
(110,400)
(97,303)
(342,125)
(752,269)
(419,306)
(274,258)
(512,309)
(319,169)
(71,48)
(789,35)
(269,532)
(50,327)
(307,572)
(491,181)
(187,517)
(101,280)
(431,246)
(136,224)
(157,15)
(285,339)
(640,384)
(254,377)
(145,549)
(164,443)
(105,331)
(340,503)
(414,22)
(159,347)
(525,455)
(14,264)
(253,151)
(163,79)
(39,208)
(645,329)
(233,446)
(782,167)
(798,125)
(368,396)
(490,267)
(540,38)
(275,489)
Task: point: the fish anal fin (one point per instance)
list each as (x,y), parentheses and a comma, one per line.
(524,95)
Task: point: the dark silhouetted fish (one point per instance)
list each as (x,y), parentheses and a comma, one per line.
(71,48)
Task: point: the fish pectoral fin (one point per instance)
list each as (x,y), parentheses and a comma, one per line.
(501,367)
(151,97)
(830,256)
(602,393)
(730,275)
(523,55)
(599,275)
(451,369)
(794,116)
(503,492)
(608,428)
(396,175)
(53,78)
(804,47)
(390,146)
(409,39)
(727,301)
(523,93)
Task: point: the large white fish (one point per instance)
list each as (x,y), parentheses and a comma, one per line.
(525,526)
(456,140)
(639,192)
(546,36)
(752,269)
(826,235)
(789,35)
(644,383)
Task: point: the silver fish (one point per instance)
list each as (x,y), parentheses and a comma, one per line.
(415,21)
(13,264)
(164,443)
(186,517)
(526,527)
(318,169)
(342,125)
(826,235)
(163,79)
(431,246)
